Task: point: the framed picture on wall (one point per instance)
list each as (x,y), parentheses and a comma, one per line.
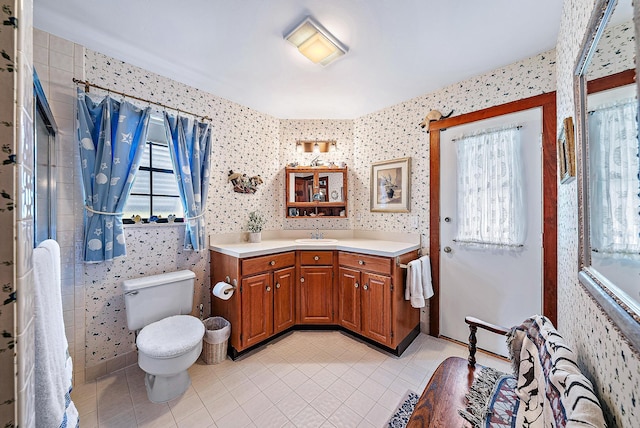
(567,152)
(391,186)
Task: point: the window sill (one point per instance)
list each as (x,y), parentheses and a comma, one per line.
(148,225)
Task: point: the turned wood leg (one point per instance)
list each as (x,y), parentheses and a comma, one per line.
(472,345)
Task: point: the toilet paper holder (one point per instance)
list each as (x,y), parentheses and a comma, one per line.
(233,283)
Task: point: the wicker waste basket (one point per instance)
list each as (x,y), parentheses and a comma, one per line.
(215,340)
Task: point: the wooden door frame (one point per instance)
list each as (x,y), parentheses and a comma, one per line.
(549,197)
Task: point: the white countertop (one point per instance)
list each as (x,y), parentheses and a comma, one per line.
(374,247)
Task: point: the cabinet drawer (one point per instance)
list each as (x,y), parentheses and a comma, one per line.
(316,258)
(376,264)
(265,263)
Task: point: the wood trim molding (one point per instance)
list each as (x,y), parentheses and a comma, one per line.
(547,102)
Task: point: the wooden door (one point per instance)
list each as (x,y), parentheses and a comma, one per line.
(316,295)
(349,297)
(283,299)
(376,307)
(257,309)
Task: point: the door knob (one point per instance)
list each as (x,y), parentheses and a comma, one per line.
(447,250)
(302,279)
(268,289)
(357,285)
(447,219)
(366,287)
(277,285)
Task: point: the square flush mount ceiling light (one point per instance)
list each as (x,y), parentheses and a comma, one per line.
(315,42)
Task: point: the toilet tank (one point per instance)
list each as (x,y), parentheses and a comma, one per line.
(152,298)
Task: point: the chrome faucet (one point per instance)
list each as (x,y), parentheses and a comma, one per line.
(314,162)
(317,234)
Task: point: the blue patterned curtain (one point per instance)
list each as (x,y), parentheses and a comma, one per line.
(190,148)
(111,136)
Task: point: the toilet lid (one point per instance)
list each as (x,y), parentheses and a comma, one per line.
(170,336)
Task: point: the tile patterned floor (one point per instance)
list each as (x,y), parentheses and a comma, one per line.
(305,379)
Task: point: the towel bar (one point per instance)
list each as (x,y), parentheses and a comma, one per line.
(400,265)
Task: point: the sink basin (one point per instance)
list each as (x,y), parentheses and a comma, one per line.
(311,241)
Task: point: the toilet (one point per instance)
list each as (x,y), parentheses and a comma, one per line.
(169,340)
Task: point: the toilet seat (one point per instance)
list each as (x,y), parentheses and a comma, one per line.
(170,337)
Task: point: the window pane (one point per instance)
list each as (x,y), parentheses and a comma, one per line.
(141,183)
(156,130)
(144,161)
(165,184)
(161,157)
(163,206)
(136,205)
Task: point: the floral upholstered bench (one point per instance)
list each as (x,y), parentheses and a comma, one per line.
(547,389)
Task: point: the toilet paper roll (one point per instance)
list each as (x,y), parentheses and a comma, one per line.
(223,290)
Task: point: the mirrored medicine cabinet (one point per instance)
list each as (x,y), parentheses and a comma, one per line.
(313,192)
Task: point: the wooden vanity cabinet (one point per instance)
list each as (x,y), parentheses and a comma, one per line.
(263,303)
(360,293)
(370,303)
(316,290)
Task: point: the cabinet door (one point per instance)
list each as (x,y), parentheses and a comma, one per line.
(257,309)
(283,299)
(316,295)
(376,307)
(349,291)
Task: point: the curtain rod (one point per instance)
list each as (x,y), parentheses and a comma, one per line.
(488,131)
(87,85)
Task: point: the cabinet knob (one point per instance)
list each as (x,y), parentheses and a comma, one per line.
(360,262)
(357,285)
(302,279)
(366,287)
(272,262)
(316,258)
(268,289)
(277,285)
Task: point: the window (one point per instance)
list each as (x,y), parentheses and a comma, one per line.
(490,193)
(615,178)
(154,191)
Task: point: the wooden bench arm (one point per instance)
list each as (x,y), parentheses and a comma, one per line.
(474,323)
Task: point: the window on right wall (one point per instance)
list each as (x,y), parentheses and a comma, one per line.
(615,178)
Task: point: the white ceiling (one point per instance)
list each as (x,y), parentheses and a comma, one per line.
(398,49)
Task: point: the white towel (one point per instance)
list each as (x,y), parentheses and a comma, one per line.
(413,286)
(427,286)
(53,369)
(418,285)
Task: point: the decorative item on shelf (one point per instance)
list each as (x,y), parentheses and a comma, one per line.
(244,184)
(154,218)
(136,218)
(567,152)
(433,115)
(293,164)
(254,225)
(390,186)
(171,218)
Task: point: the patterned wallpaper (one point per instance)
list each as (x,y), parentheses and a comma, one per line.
(611,365)
(7,175)
(394,133)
